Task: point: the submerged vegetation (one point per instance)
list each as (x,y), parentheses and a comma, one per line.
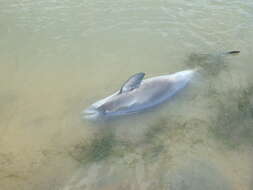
(155,143)
(232,106)
(233,124)
(107,145)
(211,64)
(96,149)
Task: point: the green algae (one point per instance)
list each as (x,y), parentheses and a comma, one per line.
(234,121)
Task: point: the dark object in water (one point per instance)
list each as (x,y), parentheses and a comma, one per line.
(233,52)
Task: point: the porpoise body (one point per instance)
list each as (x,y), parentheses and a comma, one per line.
(137,95)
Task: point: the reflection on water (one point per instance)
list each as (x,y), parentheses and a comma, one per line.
(57,57)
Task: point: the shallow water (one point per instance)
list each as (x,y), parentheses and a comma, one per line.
(58,57)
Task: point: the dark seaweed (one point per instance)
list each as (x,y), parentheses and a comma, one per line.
(234,122)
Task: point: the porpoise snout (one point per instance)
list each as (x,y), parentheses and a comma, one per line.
(90,113)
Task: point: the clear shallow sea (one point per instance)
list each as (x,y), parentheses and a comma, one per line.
(58,57)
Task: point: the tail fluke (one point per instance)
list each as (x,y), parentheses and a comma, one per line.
(232,52)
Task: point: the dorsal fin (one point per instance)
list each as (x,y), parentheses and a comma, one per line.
(132,83)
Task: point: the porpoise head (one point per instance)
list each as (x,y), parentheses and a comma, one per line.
(103,107)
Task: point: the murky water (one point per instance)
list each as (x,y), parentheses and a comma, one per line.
(58,57)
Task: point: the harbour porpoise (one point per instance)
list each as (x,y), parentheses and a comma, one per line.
(137,95)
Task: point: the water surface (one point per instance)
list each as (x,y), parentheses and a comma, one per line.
(58,57)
